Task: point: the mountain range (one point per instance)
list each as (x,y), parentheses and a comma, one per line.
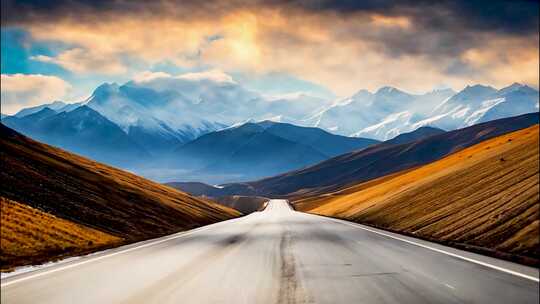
(156,125)
(389,112)
(162,111)
(82,131)
(247,151)
(373,162)
(254,150)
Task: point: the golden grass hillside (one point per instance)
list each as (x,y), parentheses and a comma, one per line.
(483,198)
(32,236)
(97,196)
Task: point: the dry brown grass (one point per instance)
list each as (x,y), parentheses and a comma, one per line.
(95,195)
(30,235)
(484,197)
(312,200)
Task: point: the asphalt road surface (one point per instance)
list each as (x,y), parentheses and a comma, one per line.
(278,256)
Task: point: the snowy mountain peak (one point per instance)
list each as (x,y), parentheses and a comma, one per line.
(517,87)
(476,90)
(106,88)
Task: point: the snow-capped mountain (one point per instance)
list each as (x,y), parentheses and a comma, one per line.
(157,120)
(476,104)
(390,112)
(377,115)
(160,110)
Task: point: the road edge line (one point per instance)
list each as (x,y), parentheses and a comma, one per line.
(512,272)
(42,272)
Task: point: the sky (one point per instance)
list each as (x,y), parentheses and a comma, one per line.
(63,49)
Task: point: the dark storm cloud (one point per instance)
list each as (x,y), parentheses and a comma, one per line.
(29,11)
(441,28)
(458,39)
(519,17)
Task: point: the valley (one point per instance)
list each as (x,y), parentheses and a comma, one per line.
(270,152)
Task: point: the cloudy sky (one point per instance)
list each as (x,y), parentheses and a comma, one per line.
(64,49)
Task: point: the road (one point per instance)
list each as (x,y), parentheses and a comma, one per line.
(278,256)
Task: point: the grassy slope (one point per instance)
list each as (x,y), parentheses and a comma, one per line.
(484,198)
(97,196)
(30,235)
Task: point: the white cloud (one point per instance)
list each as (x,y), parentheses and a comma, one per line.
(19,90)
(213,75)
(149,76)
(80,60)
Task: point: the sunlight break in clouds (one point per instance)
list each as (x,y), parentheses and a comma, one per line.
(345,46)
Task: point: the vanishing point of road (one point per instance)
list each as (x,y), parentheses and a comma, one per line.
(278,256)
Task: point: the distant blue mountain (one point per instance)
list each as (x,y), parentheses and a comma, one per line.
(82,131)
(254,150)
(248,151)
(327,143)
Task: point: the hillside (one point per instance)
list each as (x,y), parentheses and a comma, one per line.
(97,196)
(483,198)
(32,236)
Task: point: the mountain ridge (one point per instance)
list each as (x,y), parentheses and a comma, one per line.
(261,149)
(375,161)
(83,131)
